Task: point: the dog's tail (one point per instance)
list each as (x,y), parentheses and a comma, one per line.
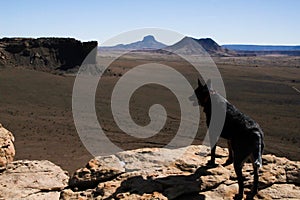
(259,146)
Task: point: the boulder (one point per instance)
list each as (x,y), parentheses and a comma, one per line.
(97,170)
(7,149)
(154,173)
(26,179)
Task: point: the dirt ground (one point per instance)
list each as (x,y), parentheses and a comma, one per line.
(37,107)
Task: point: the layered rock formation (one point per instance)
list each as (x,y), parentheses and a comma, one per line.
(46,54)
(7,149)
(169,174)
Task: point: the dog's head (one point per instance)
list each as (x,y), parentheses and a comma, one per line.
(201,93)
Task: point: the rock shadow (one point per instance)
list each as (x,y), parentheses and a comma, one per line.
(176,187)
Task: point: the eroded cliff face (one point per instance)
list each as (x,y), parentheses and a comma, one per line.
(46,54)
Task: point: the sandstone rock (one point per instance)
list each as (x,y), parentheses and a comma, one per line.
(97,170)
(280,191)
(181,174)
(293,172)
(7,149)
(26,179)
(279,170)
(222,192)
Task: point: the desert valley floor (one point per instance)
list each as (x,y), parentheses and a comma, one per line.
(36,107)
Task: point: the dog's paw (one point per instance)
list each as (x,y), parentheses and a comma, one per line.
(238,197)
(252,193)
(228,162)
(211,163)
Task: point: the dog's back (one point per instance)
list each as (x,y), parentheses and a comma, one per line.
(245,134)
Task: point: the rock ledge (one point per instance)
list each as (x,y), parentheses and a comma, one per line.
(160,174)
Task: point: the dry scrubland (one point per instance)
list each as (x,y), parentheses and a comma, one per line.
(36,106)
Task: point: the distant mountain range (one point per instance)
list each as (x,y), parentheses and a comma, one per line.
(147,43)
(192,46)
(186,46)
(244,47)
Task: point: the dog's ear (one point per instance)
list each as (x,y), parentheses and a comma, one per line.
(199,83)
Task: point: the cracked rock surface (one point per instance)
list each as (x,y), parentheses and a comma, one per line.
(24,179)
(154,173)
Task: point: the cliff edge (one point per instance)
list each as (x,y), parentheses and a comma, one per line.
(46,54)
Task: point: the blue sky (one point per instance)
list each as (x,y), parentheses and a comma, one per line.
(227,22)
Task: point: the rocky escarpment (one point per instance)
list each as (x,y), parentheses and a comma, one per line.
(178,174)
(46,54)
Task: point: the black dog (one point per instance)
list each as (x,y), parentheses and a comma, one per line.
(245,137)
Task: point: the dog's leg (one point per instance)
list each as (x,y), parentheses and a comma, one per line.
(238,170)
(256,162)
(257,153)
(255,181)
(212,160)
(230,157)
